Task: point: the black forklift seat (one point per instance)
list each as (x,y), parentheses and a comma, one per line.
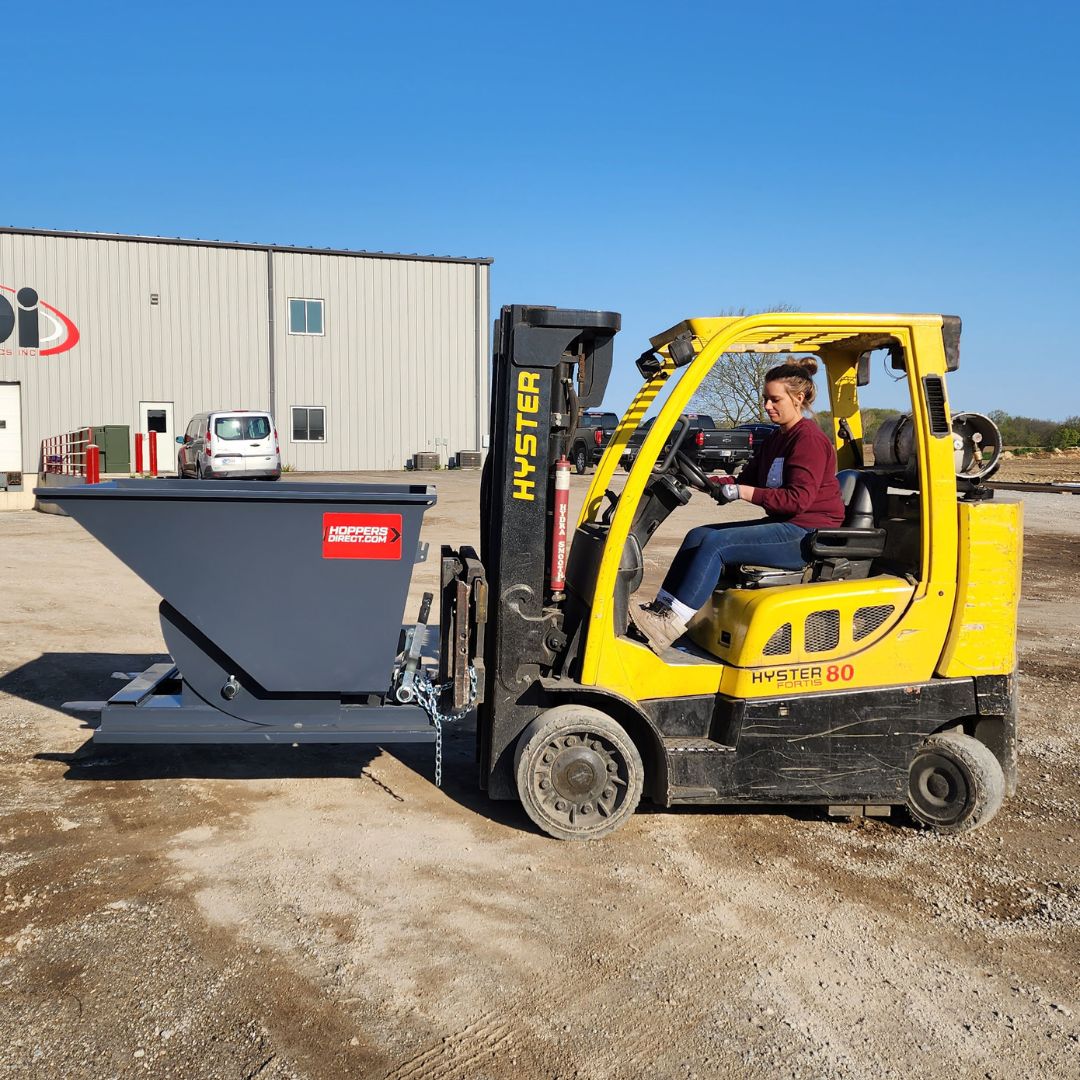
(844,552)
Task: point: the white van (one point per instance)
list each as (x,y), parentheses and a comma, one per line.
(238,444)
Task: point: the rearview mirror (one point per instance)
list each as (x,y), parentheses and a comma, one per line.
(862,369)
(682,349)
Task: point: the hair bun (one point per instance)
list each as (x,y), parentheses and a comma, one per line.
(808,364)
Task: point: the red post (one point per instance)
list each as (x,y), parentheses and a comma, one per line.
(93,464)
(560,526)
(152,436)
(138,452)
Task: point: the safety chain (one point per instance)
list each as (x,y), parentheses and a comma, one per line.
(427,694)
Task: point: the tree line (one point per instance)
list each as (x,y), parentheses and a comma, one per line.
(1027,431)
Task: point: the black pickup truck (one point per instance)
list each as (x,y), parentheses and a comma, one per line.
(706,444)
(594,431)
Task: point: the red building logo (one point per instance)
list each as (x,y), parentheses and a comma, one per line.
(42,329)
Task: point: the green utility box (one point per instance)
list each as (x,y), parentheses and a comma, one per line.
(114,441)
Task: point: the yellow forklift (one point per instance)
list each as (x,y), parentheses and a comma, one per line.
(879,676)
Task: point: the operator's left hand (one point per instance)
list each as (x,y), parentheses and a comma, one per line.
(723,489)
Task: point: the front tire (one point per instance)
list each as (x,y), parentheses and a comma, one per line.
(955,784)
(579,775)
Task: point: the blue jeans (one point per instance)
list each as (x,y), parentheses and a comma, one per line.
(708,549)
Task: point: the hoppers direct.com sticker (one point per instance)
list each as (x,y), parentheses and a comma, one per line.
(361,536)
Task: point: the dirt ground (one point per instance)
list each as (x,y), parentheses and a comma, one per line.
(1045,467)
(328,912)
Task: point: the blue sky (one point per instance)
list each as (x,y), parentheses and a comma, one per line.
(661,160)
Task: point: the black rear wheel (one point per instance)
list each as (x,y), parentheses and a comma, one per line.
(581,460)
(579,775)
(955,784)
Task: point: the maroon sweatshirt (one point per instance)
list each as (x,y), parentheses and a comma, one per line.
(794,476)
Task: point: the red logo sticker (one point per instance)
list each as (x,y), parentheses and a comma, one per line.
(361,536)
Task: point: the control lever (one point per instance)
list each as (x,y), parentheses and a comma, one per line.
(678,434)
(613,502)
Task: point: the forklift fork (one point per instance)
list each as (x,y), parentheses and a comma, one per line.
(463,619)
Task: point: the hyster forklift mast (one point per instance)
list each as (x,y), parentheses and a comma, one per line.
(549,364)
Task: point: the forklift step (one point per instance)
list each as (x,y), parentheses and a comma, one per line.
(692,768)
(859,810)
(686,793)
(683,745)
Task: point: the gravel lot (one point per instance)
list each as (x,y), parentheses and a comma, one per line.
(328,912)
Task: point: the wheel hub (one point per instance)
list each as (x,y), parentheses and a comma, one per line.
(938,789)
(579,776)
(938,786)
(578,773)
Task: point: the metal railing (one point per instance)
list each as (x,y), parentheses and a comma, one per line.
(72,454)
(65,454)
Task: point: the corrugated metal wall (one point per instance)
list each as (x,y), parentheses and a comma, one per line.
(402,365)
(203,343)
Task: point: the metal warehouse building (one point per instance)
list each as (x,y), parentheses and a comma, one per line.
(363,358)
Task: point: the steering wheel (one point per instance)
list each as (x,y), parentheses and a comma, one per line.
(689,471)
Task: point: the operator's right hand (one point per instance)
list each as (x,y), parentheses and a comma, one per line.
(723,489)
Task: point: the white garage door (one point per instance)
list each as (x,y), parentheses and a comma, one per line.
(10,429)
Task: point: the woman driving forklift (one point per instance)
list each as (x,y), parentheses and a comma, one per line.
(792,476)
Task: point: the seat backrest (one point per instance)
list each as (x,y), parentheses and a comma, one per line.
(862,498)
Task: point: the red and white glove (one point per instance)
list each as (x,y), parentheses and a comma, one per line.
(723,489)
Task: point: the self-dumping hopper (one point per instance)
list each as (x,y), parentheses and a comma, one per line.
(282,608)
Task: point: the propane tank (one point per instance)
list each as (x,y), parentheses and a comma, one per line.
(976,445)
(894,445)
(560,520)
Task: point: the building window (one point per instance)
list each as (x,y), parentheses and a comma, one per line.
(305,316)
(308,423)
